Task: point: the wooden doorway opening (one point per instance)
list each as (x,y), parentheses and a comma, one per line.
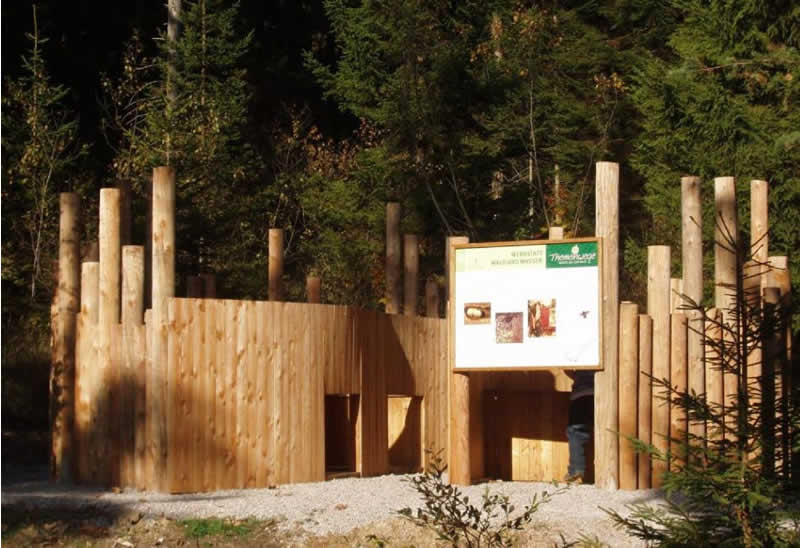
(405,434)
(341,420)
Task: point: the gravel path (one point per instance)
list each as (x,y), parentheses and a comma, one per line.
(337,506)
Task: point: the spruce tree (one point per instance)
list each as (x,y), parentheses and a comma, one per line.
(188,110)
(722,99)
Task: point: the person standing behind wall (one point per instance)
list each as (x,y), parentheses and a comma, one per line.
(580,423)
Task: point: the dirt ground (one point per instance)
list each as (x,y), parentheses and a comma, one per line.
(22,528)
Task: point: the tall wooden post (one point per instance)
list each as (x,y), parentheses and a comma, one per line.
(645,396)
(726,238)
(209,285)
(275,264)
(108,318)
(86,382)
(393,251)
(431,299)
(628,385)
(774,352)
(195,287)
(163,265)
(62,372)
(759,221)
(606,392)
(133,359)
(313,289)
(692,271)
(726,242)
(410,274)
(459,459)
(678,379)
(658,269)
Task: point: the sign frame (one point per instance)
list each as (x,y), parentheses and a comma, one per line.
(455,316)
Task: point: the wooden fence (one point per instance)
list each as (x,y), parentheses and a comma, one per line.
(198,394)
(246,387)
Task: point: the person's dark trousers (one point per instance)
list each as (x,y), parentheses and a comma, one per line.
(579,431)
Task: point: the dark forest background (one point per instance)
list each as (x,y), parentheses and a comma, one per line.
(482,118)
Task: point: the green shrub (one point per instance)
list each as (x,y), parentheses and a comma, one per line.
(448,512)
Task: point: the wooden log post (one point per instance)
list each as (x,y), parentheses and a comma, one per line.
(431,298)
(410,274)
(675,294)
(606,395)
(628,385)
(645,397)
(726,242)
(108,318)
(163,276)
(555,233)
(759,222)
(62,372)
(774,353)
(726,238)
(313,289)
(275,264)
(393,253)
(195,287)
(679,381)
(459,458)
(133,358)
(86,372)
(714,385)
(658,303)
(209,285)
(692,275)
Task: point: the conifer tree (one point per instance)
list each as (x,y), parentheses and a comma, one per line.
(722,99)
(40,151)
(192,117)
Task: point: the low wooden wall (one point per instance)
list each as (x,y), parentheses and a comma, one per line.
(246,386)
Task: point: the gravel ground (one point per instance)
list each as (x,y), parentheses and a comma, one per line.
(333,507)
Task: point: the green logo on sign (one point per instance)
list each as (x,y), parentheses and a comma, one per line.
(571,255)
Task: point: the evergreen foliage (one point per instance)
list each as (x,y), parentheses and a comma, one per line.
(40,157)
(477,104)
(187,108)
(720,98)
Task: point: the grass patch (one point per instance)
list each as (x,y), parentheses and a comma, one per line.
(211,527)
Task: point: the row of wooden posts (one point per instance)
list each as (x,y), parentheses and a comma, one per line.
(198,394)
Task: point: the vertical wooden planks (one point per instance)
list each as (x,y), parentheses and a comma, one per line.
(284,340)
(200,398)
(242,393)
(628,384)
(679,381)
(658,303)
(221,387)
(606,420)
(644,431)
(209,374)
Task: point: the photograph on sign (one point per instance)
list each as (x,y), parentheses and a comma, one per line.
(520,305)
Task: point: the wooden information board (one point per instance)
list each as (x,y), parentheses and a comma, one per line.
(525,305)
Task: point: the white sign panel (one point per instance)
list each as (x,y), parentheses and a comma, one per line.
(526,305)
